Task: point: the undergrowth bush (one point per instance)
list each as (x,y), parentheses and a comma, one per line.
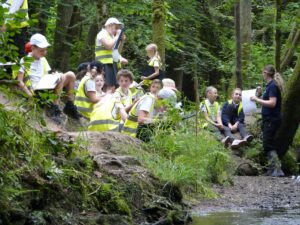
(44,180)
(190,161)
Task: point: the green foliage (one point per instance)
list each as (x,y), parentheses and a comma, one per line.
(192,162)
(43,177)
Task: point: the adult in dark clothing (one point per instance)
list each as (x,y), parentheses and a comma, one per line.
(233,120)
(271,117)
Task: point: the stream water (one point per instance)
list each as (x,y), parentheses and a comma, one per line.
(250,217)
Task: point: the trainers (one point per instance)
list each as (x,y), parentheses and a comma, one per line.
(71,110)
(248,138)
(55,114)
(226,141)
(237,143)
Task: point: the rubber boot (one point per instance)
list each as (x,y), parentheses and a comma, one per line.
(274,165)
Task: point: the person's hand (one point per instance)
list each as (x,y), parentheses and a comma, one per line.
(143,78)
(253,98)
(234,128)
(220,126)
(123,60)
(258,91)
(230,126)
(123,37)
(118,32)
(2,28)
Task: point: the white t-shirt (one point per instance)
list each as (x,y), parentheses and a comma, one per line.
(90,85)
(37,69)
(145,105)
(102,34)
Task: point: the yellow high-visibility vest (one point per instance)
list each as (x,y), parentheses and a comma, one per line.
(102,117)
(153,60)
(208,110)
(124,97)
(26,78)
(23,9)
(102,54)
(240,106)
(83,103)
(131,123)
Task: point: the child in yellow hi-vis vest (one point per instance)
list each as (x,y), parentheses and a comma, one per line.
(86,95)
(212,114)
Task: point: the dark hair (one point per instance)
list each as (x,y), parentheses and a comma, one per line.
(271,71)
(96,64)
(125,73)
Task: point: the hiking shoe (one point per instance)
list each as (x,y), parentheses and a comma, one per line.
(54,113)
(226,141)
(237,143)
(249,138)
(71,110)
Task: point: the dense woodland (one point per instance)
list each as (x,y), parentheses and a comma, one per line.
(221,43)
(201,42)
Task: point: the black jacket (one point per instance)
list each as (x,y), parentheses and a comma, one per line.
(230,114)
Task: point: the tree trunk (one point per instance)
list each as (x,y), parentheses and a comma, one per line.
(290,46)
(238,67)
(61,51)
(245,32)
(278,35)
(158,26)
(72,36)
(290,111)
(88,53)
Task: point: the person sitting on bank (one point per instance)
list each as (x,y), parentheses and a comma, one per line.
(86,95)
(152,71)
(123,93)
(100,83)
(141,115)
(31,73)
(233,120)
(105,43)
(155,87)
(108,114)
(212,114)
(136,90)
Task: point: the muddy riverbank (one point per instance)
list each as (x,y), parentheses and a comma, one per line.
(255,192)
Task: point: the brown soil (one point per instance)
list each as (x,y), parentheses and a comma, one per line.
(255,192)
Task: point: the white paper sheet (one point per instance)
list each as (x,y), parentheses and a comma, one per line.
(248,105)
(48,82)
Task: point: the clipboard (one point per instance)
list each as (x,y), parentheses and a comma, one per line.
(48,82)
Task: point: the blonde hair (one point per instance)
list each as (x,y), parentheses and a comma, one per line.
(153,47)
(270,70)
(210,89)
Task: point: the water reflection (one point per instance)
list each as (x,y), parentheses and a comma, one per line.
(252,217)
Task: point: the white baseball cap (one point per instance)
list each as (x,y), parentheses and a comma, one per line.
(39,40)
(112,20)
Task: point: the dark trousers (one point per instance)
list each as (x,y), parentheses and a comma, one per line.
(269,128)
(241,129)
